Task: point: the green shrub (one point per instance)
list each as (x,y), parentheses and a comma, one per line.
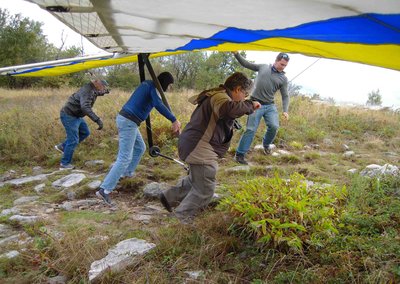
(284,213)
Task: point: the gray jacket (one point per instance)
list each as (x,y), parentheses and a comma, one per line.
(268,81)
(80,103)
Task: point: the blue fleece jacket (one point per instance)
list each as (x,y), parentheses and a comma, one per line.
(142,101)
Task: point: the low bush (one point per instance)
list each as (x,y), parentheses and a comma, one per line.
(285,213)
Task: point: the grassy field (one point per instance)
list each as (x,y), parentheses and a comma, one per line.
(345,230)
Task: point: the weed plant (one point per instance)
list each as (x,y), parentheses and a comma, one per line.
(285,213)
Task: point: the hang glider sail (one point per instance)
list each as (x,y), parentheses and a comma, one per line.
(366,31)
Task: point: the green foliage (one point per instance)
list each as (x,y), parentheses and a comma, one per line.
(374,98)
(21,42)
(375,197)
(314,135)
(296,145)
(285,212)
(293,89)
(215,69)
(125,77)
(185,68)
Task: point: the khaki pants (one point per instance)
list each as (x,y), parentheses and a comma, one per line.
(194,192)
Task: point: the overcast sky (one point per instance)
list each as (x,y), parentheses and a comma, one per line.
(340,80)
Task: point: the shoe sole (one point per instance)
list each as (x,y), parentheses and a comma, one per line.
(242,163)
(55,147)
(102,198)
(165,203)
(64,169)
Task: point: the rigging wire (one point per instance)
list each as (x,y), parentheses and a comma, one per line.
(304,69)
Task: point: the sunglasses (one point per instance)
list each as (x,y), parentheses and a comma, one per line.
(282,56)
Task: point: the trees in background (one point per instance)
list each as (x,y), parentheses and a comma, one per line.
(22,42)
(374,98)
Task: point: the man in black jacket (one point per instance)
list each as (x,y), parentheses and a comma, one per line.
(77,106)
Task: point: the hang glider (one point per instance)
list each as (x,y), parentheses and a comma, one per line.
(363,31)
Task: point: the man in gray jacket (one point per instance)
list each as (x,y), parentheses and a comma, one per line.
(270,79)
(77,106)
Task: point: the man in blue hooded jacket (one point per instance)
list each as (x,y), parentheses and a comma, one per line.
(131,144)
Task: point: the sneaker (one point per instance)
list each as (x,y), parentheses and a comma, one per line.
(102,195)
(164,202)
(268,150)
(67,167)
(59,148)
(240,159)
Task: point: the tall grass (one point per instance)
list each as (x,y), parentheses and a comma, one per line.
(30,125)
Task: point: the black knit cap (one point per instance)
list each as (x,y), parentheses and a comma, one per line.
(165,79)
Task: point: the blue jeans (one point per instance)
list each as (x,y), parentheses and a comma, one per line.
(131,150)
(271,118)
(77,130)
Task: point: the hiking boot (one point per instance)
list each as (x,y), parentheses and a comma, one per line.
(268,149)
(106,197)
(240,159)
(67,167)
(59,148)
(164,202)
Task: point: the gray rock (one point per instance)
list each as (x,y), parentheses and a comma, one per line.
(195,274)
(245,168)
(10,254)
(154,208)
(49,210)
(71,195)
(352,171)
(67,206)
(348,154)
(13,210)
(153,189)
(37,170)
(283,152)
(24,219)
(39,188)
(87,202)
(24,180)
(345,147)
(391,154)
(374,170)
(6,231)
(60,279)
(10,239)
(145,218)
(25,199)
(7,175)
(69,180)
(94,163)
(94,184)
(119,257)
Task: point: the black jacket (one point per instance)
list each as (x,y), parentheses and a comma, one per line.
(80,103)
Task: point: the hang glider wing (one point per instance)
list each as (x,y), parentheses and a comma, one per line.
(366,31)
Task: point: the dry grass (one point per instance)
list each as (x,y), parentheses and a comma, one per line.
(30,127)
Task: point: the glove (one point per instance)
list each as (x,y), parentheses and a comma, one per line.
(100,124)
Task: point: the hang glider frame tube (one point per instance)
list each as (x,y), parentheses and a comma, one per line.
(154,151)
(54,62)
